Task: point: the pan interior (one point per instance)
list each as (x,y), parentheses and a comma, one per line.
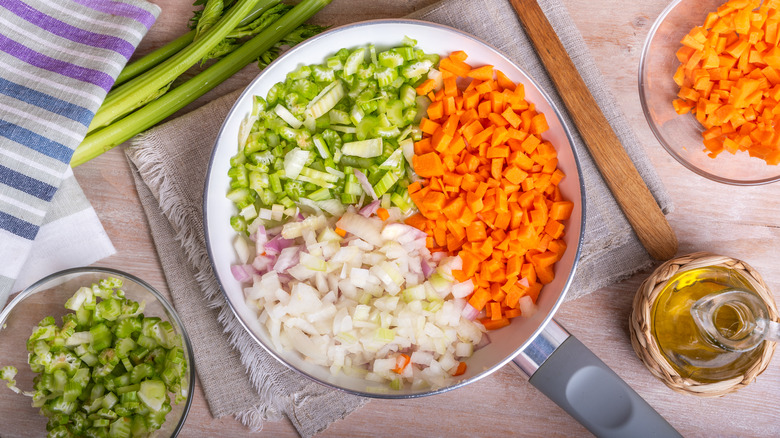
(433,38)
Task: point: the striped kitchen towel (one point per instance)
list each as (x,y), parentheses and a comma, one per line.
(58,59)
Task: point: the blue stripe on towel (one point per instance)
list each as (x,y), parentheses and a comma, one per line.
(18,226)
(47,102)
(26,184)
(35,141)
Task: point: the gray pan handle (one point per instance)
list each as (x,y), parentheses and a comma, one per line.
(567,372)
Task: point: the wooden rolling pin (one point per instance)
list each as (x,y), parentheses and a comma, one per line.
(616,167)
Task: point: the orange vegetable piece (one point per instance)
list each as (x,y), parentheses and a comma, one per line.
(727,74)
(484,73)
(402,361)
(426,87)
(491,193)
(428,165)
(461,369)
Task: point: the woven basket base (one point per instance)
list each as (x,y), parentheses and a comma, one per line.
(645,344)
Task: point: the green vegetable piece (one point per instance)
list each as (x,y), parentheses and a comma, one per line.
(363,148)
(109,309)
(126,327)
(390,58)
(101,337)
(153,394)
(354,60)
(8,373)
(83,295)
(120,428)
(416,68)
(138,428)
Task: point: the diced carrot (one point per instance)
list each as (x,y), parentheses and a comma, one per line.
(454,66)
(459,55)
(416,220)
(491,195)
(434,201)
(426,87)
(512,313)
(435,110)
(428,165)
(503,81)
(728,68)
(460,370)
(402,361)
(428,126)
(479,299)
(382,213)
(483,73)
(495,324)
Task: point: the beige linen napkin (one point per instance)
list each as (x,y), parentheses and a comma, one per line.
(171,162)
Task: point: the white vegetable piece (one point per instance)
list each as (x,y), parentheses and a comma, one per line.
(364,304)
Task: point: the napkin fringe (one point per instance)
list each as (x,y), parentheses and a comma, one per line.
(253,419)
(150,162)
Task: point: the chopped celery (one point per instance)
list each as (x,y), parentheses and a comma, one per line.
(363,148)
(96,374)
(326,99)
(356,111)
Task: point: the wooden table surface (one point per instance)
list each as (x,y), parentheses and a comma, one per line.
(741,222)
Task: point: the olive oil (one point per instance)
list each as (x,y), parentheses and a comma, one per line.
(692,354)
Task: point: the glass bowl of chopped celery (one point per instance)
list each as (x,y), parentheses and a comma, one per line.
(93,352)
(690,91)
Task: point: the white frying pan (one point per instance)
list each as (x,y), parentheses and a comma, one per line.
(557,363)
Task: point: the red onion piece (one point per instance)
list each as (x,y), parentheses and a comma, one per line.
(277,244)
(370,209)
(363,180)
(437,256)
(263,263)
(427,269)
(242,273)
(469,312)
(260,237)
(287,259)
(485,341)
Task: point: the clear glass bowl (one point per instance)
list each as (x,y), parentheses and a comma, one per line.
(680,135)
(47,297)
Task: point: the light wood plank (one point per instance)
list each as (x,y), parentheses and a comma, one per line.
(737,221)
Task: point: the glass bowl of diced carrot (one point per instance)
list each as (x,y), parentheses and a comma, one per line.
(709,83)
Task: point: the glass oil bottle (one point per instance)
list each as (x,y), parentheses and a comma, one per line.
(710,324)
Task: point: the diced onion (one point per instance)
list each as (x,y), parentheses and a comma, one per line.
(355,303)
(367,187)
(527,306)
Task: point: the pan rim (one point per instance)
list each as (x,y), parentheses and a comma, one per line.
(562,294)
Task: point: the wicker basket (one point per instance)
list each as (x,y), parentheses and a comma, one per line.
(645,344)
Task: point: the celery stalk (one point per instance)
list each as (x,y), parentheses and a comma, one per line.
(157,110)
(154,58)
(127,97)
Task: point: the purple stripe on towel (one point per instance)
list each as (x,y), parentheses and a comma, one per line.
(122,9)
(67,31)
(40,60)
